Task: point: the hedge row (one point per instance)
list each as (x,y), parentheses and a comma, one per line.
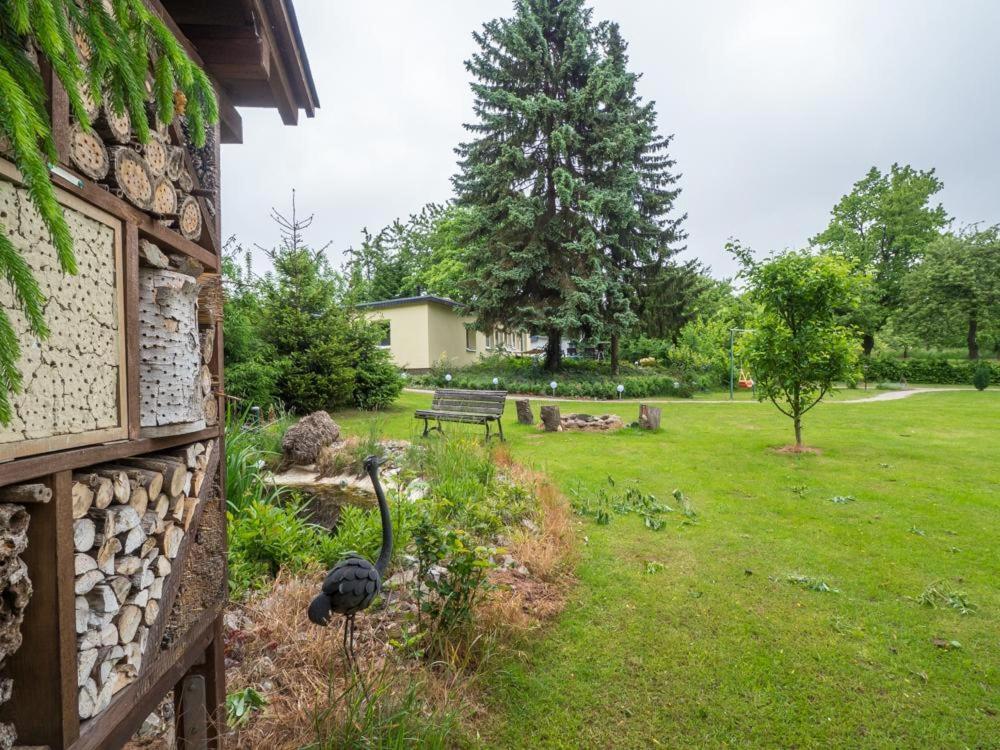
(636,386)
(937,371)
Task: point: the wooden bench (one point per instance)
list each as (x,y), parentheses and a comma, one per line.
(453,405)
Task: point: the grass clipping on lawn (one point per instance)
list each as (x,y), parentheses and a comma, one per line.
(301,670)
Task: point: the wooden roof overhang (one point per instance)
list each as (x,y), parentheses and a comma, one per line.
(252,49)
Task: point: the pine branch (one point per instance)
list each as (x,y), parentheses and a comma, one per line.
(121,44)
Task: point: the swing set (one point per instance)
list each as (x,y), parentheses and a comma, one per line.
(745,381)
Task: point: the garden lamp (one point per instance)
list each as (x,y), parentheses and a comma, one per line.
(620,389)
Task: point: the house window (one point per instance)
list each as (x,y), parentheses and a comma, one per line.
(386,340)
(489,340)
(470,339)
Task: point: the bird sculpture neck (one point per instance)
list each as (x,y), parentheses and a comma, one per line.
(385,554)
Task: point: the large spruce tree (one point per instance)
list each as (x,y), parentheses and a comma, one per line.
(568,174)
(536,262)
(634,187)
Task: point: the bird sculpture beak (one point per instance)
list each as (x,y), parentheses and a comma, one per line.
(373,462)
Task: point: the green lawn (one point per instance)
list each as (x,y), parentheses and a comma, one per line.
(718,649)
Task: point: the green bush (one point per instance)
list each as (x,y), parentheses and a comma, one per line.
(255,382)
(981,376)
(937,370)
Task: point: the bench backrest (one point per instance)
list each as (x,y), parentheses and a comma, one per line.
(482,403)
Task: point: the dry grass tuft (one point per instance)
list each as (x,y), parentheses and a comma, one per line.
(272,647)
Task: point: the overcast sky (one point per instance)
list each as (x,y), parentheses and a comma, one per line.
(776,108)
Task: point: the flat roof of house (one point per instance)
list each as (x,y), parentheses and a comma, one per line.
(410,301)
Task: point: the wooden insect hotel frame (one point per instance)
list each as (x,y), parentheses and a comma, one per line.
(112,507)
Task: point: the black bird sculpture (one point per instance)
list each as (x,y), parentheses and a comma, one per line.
(353,583)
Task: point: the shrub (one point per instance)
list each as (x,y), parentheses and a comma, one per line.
(938,370)
(981,376)
(255,382)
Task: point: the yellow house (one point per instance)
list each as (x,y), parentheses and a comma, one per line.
(422,330)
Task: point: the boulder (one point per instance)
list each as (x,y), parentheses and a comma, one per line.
(304,440)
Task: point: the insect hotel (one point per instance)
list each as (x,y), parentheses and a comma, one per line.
(112,507)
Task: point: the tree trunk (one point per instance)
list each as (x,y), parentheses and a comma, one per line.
(798,431)
(551,418)
(971,338)
(615,354)
(649,417)
(868,343)
(553,350)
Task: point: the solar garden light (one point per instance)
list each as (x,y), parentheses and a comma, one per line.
(553,385)
(496,382)
(448,377)
(620,389)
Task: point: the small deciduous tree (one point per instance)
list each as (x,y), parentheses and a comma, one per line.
(799,346)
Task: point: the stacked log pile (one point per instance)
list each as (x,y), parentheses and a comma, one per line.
(15,586)
(130,518)
(155,176)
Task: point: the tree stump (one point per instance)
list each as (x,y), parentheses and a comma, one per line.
(551,418)
(649,417)
(524,415)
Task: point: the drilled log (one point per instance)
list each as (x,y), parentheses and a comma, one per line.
(164,203)
(25,493)
(88,153)
(112,125)
(188,217)
(155,153)
(130,177)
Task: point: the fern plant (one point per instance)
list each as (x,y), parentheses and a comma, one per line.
(124,41)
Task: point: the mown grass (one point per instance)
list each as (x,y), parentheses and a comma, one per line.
(734,642)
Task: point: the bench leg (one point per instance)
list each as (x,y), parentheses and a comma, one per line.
(500,428)
(487,425)
(425,428)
